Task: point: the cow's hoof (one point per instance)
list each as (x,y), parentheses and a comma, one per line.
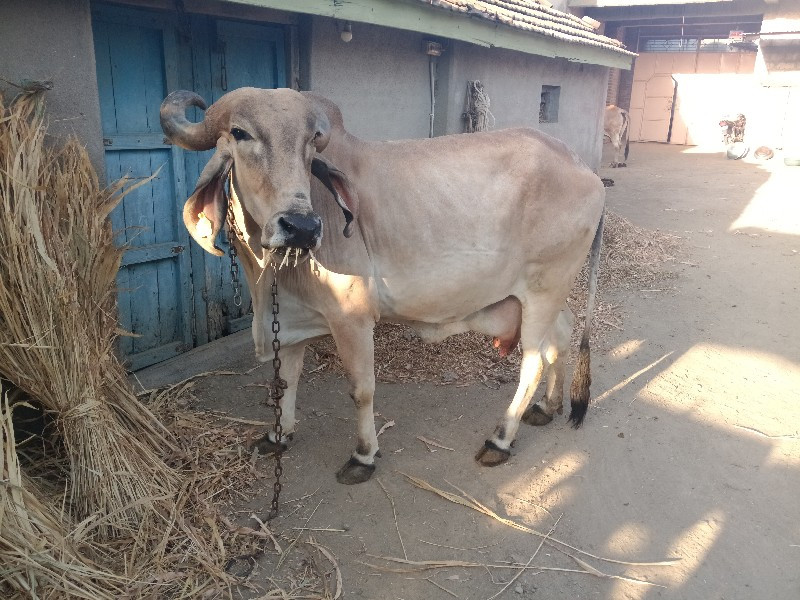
(354,472)
(622,165)
(267,446)
(490,455)
(536,416)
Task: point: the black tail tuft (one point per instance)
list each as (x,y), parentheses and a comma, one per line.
(627,147)
(579,390)
(577,414)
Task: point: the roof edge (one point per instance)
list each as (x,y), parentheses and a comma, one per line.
(416,16)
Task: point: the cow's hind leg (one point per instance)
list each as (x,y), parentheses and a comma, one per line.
(617,144)
(356,349)
(538,317)
(291,365)
(554,353)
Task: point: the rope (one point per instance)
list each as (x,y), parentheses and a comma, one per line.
(477,115)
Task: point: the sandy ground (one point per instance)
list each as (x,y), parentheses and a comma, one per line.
(690,448)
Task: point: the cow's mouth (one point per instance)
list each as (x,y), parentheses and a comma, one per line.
(288,256)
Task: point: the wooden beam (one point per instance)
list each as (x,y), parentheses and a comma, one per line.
(414,16)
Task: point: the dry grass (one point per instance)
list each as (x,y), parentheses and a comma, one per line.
(633,258)
(193,548)
(57,322)
(39,555)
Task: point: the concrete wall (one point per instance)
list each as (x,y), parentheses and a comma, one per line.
(380,79)
(513,82)
(52,39)
(779,56)
(381,82)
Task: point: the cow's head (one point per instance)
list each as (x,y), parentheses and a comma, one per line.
(266,151)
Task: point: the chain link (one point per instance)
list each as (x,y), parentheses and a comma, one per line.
(233,229)
(276,388)
(277,385)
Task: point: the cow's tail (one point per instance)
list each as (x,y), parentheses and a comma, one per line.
(625,123)
(582,379)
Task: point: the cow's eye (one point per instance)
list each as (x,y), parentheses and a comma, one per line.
(240,134)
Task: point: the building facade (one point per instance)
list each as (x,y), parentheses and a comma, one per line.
(397,68)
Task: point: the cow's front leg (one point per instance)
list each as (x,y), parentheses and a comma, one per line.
(356,350)
(291,365)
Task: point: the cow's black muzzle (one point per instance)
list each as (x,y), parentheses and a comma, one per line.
(301,230)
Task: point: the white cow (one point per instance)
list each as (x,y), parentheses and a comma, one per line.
(481,231)
(615,128)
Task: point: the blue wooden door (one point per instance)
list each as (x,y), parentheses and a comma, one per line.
(172,295)
(233,55)
(137,64)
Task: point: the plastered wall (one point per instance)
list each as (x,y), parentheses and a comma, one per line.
(381,81)
(52,40)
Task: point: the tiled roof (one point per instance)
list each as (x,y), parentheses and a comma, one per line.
(530,15)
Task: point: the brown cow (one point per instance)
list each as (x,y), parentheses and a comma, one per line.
(482,232)
(615,127)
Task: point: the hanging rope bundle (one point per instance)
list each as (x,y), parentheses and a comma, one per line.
(477,116)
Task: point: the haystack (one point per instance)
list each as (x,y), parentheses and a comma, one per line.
(57,322)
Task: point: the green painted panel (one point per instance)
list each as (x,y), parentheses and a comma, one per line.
(414,16)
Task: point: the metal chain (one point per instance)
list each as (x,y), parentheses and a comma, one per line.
(276,388)
(277,385)
(233,229)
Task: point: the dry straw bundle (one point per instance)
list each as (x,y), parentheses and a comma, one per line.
(57,322)
(38,554)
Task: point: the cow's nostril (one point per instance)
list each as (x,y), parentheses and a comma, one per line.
(286,225)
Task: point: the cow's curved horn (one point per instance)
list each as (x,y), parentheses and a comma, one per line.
(179,130)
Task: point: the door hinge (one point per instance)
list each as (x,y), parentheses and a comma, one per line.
(178,249)
(108,142)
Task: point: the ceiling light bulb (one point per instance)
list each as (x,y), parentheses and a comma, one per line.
(347,32)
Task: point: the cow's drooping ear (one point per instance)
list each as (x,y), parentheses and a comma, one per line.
(205,210)
(339,185)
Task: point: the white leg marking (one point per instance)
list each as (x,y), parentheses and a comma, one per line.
(529,376)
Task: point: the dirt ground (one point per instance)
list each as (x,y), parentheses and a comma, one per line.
(690,448)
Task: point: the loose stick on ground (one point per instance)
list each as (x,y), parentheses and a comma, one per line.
(457,548)
(285,554)
(429,443)
(790,436)
(329,555)
(417,566)
(528,564)
(394,512)
(470,502)
(444,589)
